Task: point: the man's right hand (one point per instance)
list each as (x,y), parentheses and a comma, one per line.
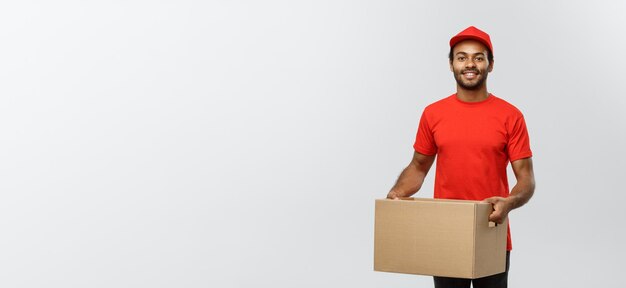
(393,194)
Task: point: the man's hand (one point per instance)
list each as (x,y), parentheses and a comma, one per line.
(501,208)
(520,194)
(393,194)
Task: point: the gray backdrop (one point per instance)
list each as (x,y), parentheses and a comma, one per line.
(242,143)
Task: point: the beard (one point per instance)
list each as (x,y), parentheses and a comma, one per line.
(470,85)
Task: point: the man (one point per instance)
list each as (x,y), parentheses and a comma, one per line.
(474,135)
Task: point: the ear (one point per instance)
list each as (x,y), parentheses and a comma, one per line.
(450,62)
(490,67)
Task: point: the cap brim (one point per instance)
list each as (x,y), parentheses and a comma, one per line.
(456,39)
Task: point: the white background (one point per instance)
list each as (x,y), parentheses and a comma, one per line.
(242,143)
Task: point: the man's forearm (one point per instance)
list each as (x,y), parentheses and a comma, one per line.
(409,182)
(525,186)
(521,193)
(412,177)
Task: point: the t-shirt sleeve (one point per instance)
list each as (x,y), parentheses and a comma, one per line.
(424,140)
(519,142)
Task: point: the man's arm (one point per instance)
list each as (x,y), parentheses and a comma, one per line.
(412,177)
(520,194)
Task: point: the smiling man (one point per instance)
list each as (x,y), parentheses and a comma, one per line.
(474,135)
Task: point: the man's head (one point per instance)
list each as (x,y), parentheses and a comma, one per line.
(471,58)
(472,33)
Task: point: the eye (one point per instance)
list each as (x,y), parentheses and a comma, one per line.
(460,58)
(480,59)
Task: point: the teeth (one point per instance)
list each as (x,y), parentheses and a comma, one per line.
(469,74)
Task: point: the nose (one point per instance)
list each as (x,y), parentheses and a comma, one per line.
(470,63)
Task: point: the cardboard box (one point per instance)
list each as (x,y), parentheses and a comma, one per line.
(451,238)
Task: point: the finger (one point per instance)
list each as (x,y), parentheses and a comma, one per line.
(495,217)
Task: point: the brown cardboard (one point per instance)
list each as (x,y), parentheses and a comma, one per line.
(451,238)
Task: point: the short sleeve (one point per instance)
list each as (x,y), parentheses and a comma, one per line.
(518,146)
(424,140)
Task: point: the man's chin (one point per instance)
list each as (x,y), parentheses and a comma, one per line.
(470,86)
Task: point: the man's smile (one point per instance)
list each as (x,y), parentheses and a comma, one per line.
(470,74)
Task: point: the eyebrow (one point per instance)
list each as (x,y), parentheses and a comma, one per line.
(463,53)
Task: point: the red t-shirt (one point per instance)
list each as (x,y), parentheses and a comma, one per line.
(474,142)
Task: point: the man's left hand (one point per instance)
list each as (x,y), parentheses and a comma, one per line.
(501,208)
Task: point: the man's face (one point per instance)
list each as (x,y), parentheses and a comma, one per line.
(470,64)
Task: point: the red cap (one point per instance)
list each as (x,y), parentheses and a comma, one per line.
(474,34)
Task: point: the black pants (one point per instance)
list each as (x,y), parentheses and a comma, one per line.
(493,281)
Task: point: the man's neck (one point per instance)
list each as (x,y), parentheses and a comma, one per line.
(472,95)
